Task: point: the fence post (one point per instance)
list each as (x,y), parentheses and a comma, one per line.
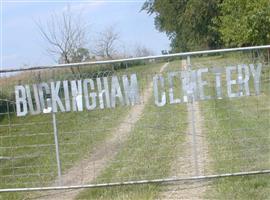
(193,121)
(55,131)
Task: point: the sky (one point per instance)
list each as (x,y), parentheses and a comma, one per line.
(22,43)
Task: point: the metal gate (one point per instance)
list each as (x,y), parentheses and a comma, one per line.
(185,116)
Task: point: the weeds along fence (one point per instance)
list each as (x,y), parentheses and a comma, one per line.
(186,116)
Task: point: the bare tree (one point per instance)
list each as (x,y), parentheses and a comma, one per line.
(106,44)
(66,35)
(142,51)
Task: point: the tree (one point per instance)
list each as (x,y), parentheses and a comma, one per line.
(244,22)
(106,44)
(77,55)
(193,24)
(142,51)
(66,36)
(189,24)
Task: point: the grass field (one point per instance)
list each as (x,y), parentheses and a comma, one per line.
(30,140)
(148,154)
(238,137)
(236,130)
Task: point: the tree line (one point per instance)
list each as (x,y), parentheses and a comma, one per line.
(210,24)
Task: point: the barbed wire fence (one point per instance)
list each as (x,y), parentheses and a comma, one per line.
(194,137)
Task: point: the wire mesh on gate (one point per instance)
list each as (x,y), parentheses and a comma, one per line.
(206,115)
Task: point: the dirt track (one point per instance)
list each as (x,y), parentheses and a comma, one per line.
(83,172)
(184,165)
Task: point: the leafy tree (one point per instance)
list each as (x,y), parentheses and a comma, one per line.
(244,22)
(188,23)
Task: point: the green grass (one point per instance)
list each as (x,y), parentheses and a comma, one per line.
(238,138)
(148,154)
(79,132)
(237,132)
(235,150)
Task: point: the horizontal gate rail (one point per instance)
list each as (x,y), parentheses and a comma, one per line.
(165,180)
(134,59)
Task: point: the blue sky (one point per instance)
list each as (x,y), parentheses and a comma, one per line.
(23,45)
